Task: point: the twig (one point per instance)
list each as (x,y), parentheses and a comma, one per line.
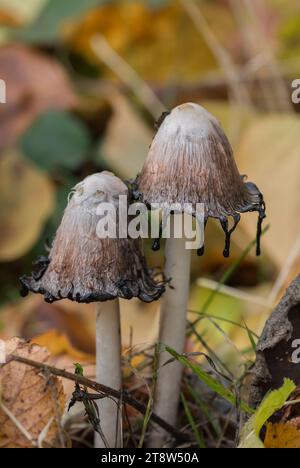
(257,43)
(233,292)
(210,351)
(43,434)
(110,392)
(17,423)
(128,75)
(238,90)
(55,400)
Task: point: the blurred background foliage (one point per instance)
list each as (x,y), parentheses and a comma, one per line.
(86,81)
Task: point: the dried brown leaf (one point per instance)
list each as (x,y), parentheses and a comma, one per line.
(28,399)
(35,83)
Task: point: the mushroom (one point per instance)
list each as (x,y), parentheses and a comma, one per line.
(84,267)
(190,161)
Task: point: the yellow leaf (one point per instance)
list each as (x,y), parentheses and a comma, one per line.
(59,344)
(273,402)
(269,155)
(282,436)
(26,201)
(159,43)
(127,138)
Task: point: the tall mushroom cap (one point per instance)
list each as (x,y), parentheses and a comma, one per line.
(85,268)
(191,161)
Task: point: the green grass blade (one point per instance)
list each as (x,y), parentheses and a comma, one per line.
(227,275)
(211,382)
(251,338)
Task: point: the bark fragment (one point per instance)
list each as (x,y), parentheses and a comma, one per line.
(275,348)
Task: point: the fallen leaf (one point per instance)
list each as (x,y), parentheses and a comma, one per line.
(127,139)
(46,26)
(269,155)
(7,18)
(139,322)
(28,402)
(165,32)
(27,200)
(35,83)
(59,344)
(270,405)
(56,140)
(14,315)
(282,436)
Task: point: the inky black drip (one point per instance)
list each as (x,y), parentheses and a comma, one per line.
(156,245)
(156,242)
(224,224)
(201,251)
(228,232)
(24,291)
(260,207)
(261,217)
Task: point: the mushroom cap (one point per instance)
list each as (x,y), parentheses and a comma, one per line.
(191,161)
(82,266)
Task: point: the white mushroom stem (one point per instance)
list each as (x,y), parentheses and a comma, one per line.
(172,334)
(108,371)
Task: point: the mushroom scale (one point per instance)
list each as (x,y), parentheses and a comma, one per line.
(191,161)
(85,268)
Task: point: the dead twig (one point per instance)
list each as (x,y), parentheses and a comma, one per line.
(127,74)
(103,389)
(238,90)
(55,399)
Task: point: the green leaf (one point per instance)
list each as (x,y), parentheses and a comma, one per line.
(270,405)
(56,140)
(212,383)
(78,369)
(46,27)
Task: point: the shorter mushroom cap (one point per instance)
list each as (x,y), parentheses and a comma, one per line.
(85,268)
(191,161)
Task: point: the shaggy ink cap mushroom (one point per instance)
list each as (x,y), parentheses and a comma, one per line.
(85,268)
(191,161)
